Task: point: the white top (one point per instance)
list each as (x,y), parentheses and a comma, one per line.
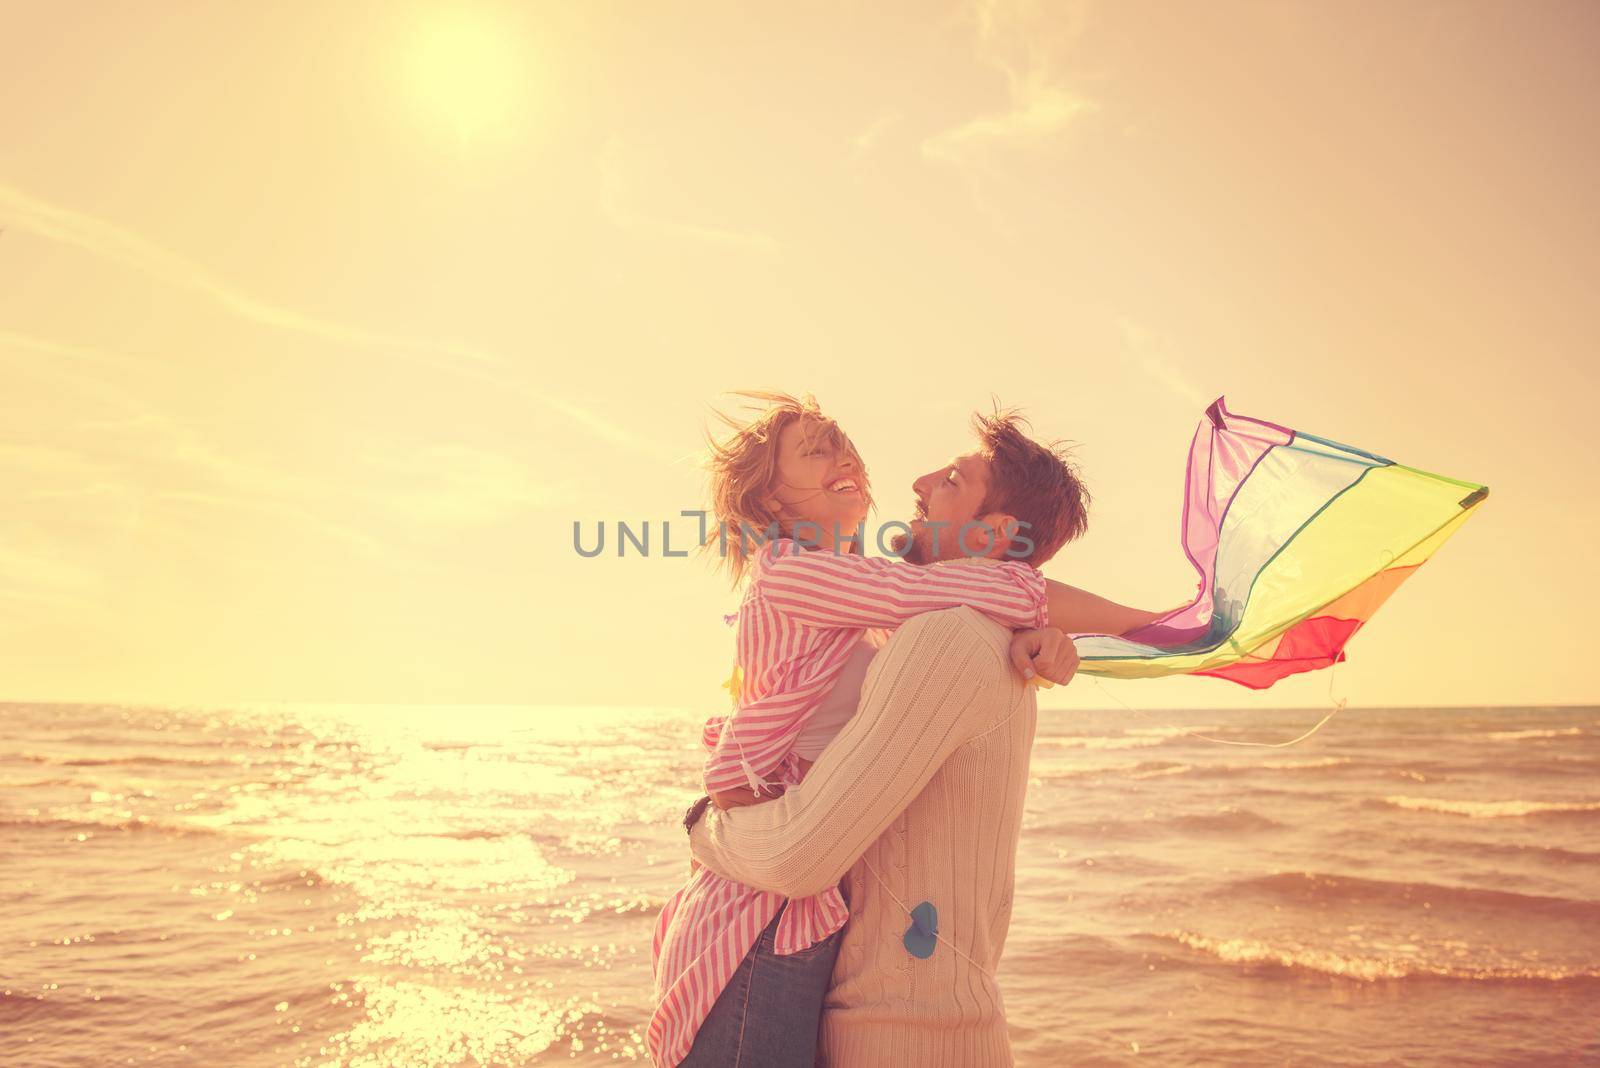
(835,709)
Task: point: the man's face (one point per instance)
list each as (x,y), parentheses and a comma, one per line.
(950,496)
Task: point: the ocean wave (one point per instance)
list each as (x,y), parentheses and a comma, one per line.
(166,739)
(151,760)
(1156,769)
(1079,771)
(1327,888)
(299,878)
(1118,862)
(1520,850)
(1228,819)
(131,824)
(1166,732)
(1252,951)
(60,1006)
(138,760)
(1309,764)
(1050,833)
(1490,809)
(1512,736)
(599,905)
(1219,771)
(638,905)
(1087,742)
(42,783)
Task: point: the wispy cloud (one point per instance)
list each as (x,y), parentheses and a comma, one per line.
(35,575)
(1038,115)
(172,439)
(43,570)
(450,485)
(118,244)
(370,546)
(618,207)
(1013,37)
(144,469)
(868,139)
(1150,351)
(127,465)
(37,568)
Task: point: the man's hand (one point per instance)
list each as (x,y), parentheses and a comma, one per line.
(743,795)
(1046,654)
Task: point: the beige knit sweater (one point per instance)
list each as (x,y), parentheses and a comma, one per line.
(923,789)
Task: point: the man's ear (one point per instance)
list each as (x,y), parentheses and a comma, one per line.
(1005,527)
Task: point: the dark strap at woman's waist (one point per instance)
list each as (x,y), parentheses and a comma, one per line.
(694,813)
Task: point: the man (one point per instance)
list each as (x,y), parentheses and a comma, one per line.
(918,801)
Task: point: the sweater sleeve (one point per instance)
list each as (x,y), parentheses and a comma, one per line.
(827,589)
(941,680)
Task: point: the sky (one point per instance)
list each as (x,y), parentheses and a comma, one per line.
(321,325)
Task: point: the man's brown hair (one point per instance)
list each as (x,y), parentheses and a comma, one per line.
(1036,482)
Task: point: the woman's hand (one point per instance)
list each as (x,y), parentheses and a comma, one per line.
(1046,654)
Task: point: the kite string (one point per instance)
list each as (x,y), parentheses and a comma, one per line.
(1338,706)
(912,917)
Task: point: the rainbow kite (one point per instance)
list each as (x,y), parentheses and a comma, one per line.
(1297,539)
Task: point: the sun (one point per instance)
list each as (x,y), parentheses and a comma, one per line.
(466,71)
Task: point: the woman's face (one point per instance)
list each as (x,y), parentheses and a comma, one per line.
(820,481)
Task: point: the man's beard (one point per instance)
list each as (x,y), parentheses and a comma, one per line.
(912,547)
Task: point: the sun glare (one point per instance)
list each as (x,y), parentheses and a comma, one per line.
(467,72)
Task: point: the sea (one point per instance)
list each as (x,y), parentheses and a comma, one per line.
(298,885)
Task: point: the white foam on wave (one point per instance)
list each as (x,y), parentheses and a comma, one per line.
(1490,809)
(1365,969)
(1164,732)
(1318,762)
(1152,773)
(1277,765)
(1098,743)
(1254,951)
(1049,773)
(1511,736)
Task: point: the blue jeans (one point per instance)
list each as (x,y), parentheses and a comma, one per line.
(769,1013)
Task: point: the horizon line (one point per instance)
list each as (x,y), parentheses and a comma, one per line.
(173,704)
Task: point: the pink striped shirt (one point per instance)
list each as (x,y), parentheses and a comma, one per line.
(801,614)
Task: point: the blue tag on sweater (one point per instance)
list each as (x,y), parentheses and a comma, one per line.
(923,933)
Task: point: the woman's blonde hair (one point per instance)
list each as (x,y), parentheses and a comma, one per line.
(744,473)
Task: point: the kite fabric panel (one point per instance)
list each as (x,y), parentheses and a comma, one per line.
(1298,540)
